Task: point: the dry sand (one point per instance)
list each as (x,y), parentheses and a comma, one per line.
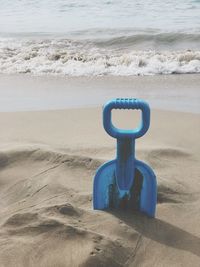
(47,164)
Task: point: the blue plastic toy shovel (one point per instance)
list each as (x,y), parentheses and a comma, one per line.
(125,182)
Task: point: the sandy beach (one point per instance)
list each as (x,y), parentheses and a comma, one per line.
(47,164)
(60,62)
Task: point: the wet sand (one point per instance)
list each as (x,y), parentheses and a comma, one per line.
(169,92)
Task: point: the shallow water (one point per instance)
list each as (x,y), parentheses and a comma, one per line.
(61,16)
(76,38)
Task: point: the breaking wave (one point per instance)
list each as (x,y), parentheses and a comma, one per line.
(114,56)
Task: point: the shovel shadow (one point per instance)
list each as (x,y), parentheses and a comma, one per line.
(161,231)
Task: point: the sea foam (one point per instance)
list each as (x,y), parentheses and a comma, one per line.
(67,57)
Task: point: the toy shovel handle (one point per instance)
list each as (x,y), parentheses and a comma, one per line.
(126,103)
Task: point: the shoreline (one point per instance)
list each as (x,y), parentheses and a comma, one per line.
(24,92)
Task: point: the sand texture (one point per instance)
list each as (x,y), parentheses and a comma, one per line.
(47,164)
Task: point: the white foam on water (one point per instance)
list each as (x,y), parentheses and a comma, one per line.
(75,58)
(92,37)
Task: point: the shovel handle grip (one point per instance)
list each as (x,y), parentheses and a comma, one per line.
(126,103)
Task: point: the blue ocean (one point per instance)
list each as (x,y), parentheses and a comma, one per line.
(99,37)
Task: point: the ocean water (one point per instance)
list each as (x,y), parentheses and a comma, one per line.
(99,37)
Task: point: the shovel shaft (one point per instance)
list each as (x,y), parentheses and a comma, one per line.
(125,163)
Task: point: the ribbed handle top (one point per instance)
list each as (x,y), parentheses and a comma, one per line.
(126,103)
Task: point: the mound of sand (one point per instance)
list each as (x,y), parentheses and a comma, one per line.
(46,215)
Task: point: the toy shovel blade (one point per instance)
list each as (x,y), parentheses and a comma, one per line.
(103,181)
(106,193)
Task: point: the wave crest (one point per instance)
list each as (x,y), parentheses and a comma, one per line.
(80,58)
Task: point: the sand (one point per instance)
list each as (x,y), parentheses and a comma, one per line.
(170,92)
(47,164)
(51,143)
